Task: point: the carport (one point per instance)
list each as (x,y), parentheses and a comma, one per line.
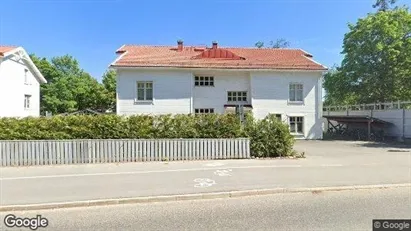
(351,121)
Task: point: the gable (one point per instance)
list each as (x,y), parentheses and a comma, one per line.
(7,52)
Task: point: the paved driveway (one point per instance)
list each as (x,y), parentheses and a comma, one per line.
(337,149)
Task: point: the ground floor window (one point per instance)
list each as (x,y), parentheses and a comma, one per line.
(278,116)
(296,124)
(204,110)
(27,101)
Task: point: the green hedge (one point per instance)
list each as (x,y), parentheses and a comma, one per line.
(269,137)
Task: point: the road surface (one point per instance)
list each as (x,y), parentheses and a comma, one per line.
(337,166)
(345,210)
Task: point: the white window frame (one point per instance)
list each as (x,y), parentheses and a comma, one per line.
(145,88)
(204,111)
(27,101)
(237,96)
(296,87)
(26,77)
(296,119)
(203,81)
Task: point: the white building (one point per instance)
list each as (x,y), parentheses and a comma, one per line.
(19,83)
(180,79)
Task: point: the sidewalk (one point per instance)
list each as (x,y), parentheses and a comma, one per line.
(51,184)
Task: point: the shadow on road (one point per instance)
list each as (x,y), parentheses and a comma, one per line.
(394,145)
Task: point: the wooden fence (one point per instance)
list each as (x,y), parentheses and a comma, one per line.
(55,152)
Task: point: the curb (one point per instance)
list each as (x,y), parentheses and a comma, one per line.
(184,197)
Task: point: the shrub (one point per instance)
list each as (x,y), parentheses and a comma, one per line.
(269,137)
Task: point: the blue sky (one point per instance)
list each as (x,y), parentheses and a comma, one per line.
(91,30)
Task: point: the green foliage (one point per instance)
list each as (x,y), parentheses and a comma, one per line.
(383,5)
(269,137)
(279,43)
(377,62)
(70,88)
(110,85)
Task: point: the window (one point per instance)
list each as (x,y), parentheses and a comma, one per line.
(204,81)
(27,101)
(296,92)
(204,110)
(26,77)
(237,96)
(278,116)
(144,90)
(296,124)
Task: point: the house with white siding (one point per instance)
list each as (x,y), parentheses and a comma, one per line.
(199,79)
(19,83)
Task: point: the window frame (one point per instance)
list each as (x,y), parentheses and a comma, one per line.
(204,81)
(295,100)
(236,95)
(145,82)
(27,98)
(197,111)
(26,77)
(295,124)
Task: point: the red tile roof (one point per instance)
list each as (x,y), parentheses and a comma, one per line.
(4,49)
(221,57)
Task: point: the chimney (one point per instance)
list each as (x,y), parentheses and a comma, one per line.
(214,44)
(180,45)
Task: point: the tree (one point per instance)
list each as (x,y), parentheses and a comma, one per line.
(377,60)
(279,43)
(69,87)
(259,44)
(110,85)
(383,5)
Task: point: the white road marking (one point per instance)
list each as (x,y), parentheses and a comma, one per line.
(224,172)
(145,172)
(204,182)
(215,164)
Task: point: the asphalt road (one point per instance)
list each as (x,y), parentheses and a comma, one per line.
(345,210)
(46,184)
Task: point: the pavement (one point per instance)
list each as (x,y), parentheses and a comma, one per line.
(328,164)
(345,210)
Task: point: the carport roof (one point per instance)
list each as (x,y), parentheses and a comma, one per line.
(355,119)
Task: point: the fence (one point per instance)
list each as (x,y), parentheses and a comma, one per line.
(396,113)
(55,152)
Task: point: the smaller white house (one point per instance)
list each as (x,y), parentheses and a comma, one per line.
(19,83)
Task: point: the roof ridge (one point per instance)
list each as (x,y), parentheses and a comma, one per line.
(223,47)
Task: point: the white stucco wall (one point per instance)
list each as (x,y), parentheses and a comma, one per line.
(216,96)
(268,92)
(171,92)
(13,88)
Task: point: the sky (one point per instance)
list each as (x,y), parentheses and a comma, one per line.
(91,30)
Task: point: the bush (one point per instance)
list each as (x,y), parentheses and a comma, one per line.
(269,137)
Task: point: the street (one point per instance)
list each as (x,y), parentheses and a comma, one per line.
(345,210)
(327,165)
